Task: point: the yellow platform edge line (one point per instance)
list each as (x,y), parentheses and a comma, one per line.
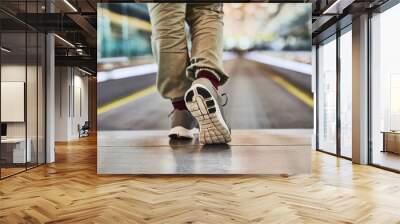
(127,99)
(300,94)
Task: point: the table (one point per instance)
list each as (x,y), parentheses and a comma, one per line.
(19,155)
(391,141)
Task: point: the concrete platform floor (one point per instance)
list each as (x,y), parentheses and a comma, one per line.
(277,152)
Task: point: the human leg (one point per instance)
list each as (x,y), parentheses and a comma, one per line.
(170,52)
(206,28)
(170,48)
(202,99)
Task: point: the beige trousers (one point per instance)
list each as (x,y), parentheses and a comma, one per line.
(177,67)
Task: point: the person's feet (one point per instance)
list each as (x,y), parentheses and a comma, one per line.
(182,124)
(204,103)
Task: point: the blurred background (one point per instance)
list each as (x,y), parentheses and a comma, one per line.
(267,54)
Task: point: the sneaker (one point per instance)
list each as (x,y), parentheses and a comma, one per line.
(183,125)
(204,102)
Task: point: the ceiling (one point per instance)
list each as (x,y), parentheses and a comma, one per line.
(330,15)
(75,22)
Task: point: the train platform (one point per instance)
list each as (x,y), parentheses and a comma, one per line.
(260,97)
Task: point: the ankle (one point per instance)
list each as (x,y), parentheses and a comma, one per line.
(211,77)
(179,105)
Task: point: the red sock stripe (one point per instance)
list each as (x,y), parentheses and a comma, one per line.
(209,76)
(179,105)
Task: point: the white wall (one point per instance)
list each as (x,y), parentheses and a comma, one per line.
(62,82)
(71,93)
(80,110)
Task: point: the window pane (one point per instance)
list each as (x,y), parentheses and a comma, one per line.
(346,93)
(14,153)
(386,89)
(327,97)
(41,98)
(31,97)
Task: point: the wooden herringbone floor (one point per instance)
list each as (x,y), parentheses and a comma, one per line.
(69,191)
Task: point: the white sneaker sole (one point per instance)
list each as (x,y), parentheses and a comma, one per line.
(180,132)
(203,106)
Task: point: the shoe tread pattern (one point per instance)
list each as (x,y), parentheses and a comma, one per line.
(202,106)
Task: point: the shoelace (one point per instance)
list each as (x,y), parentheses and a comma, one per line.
(226,99)
(170,113)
